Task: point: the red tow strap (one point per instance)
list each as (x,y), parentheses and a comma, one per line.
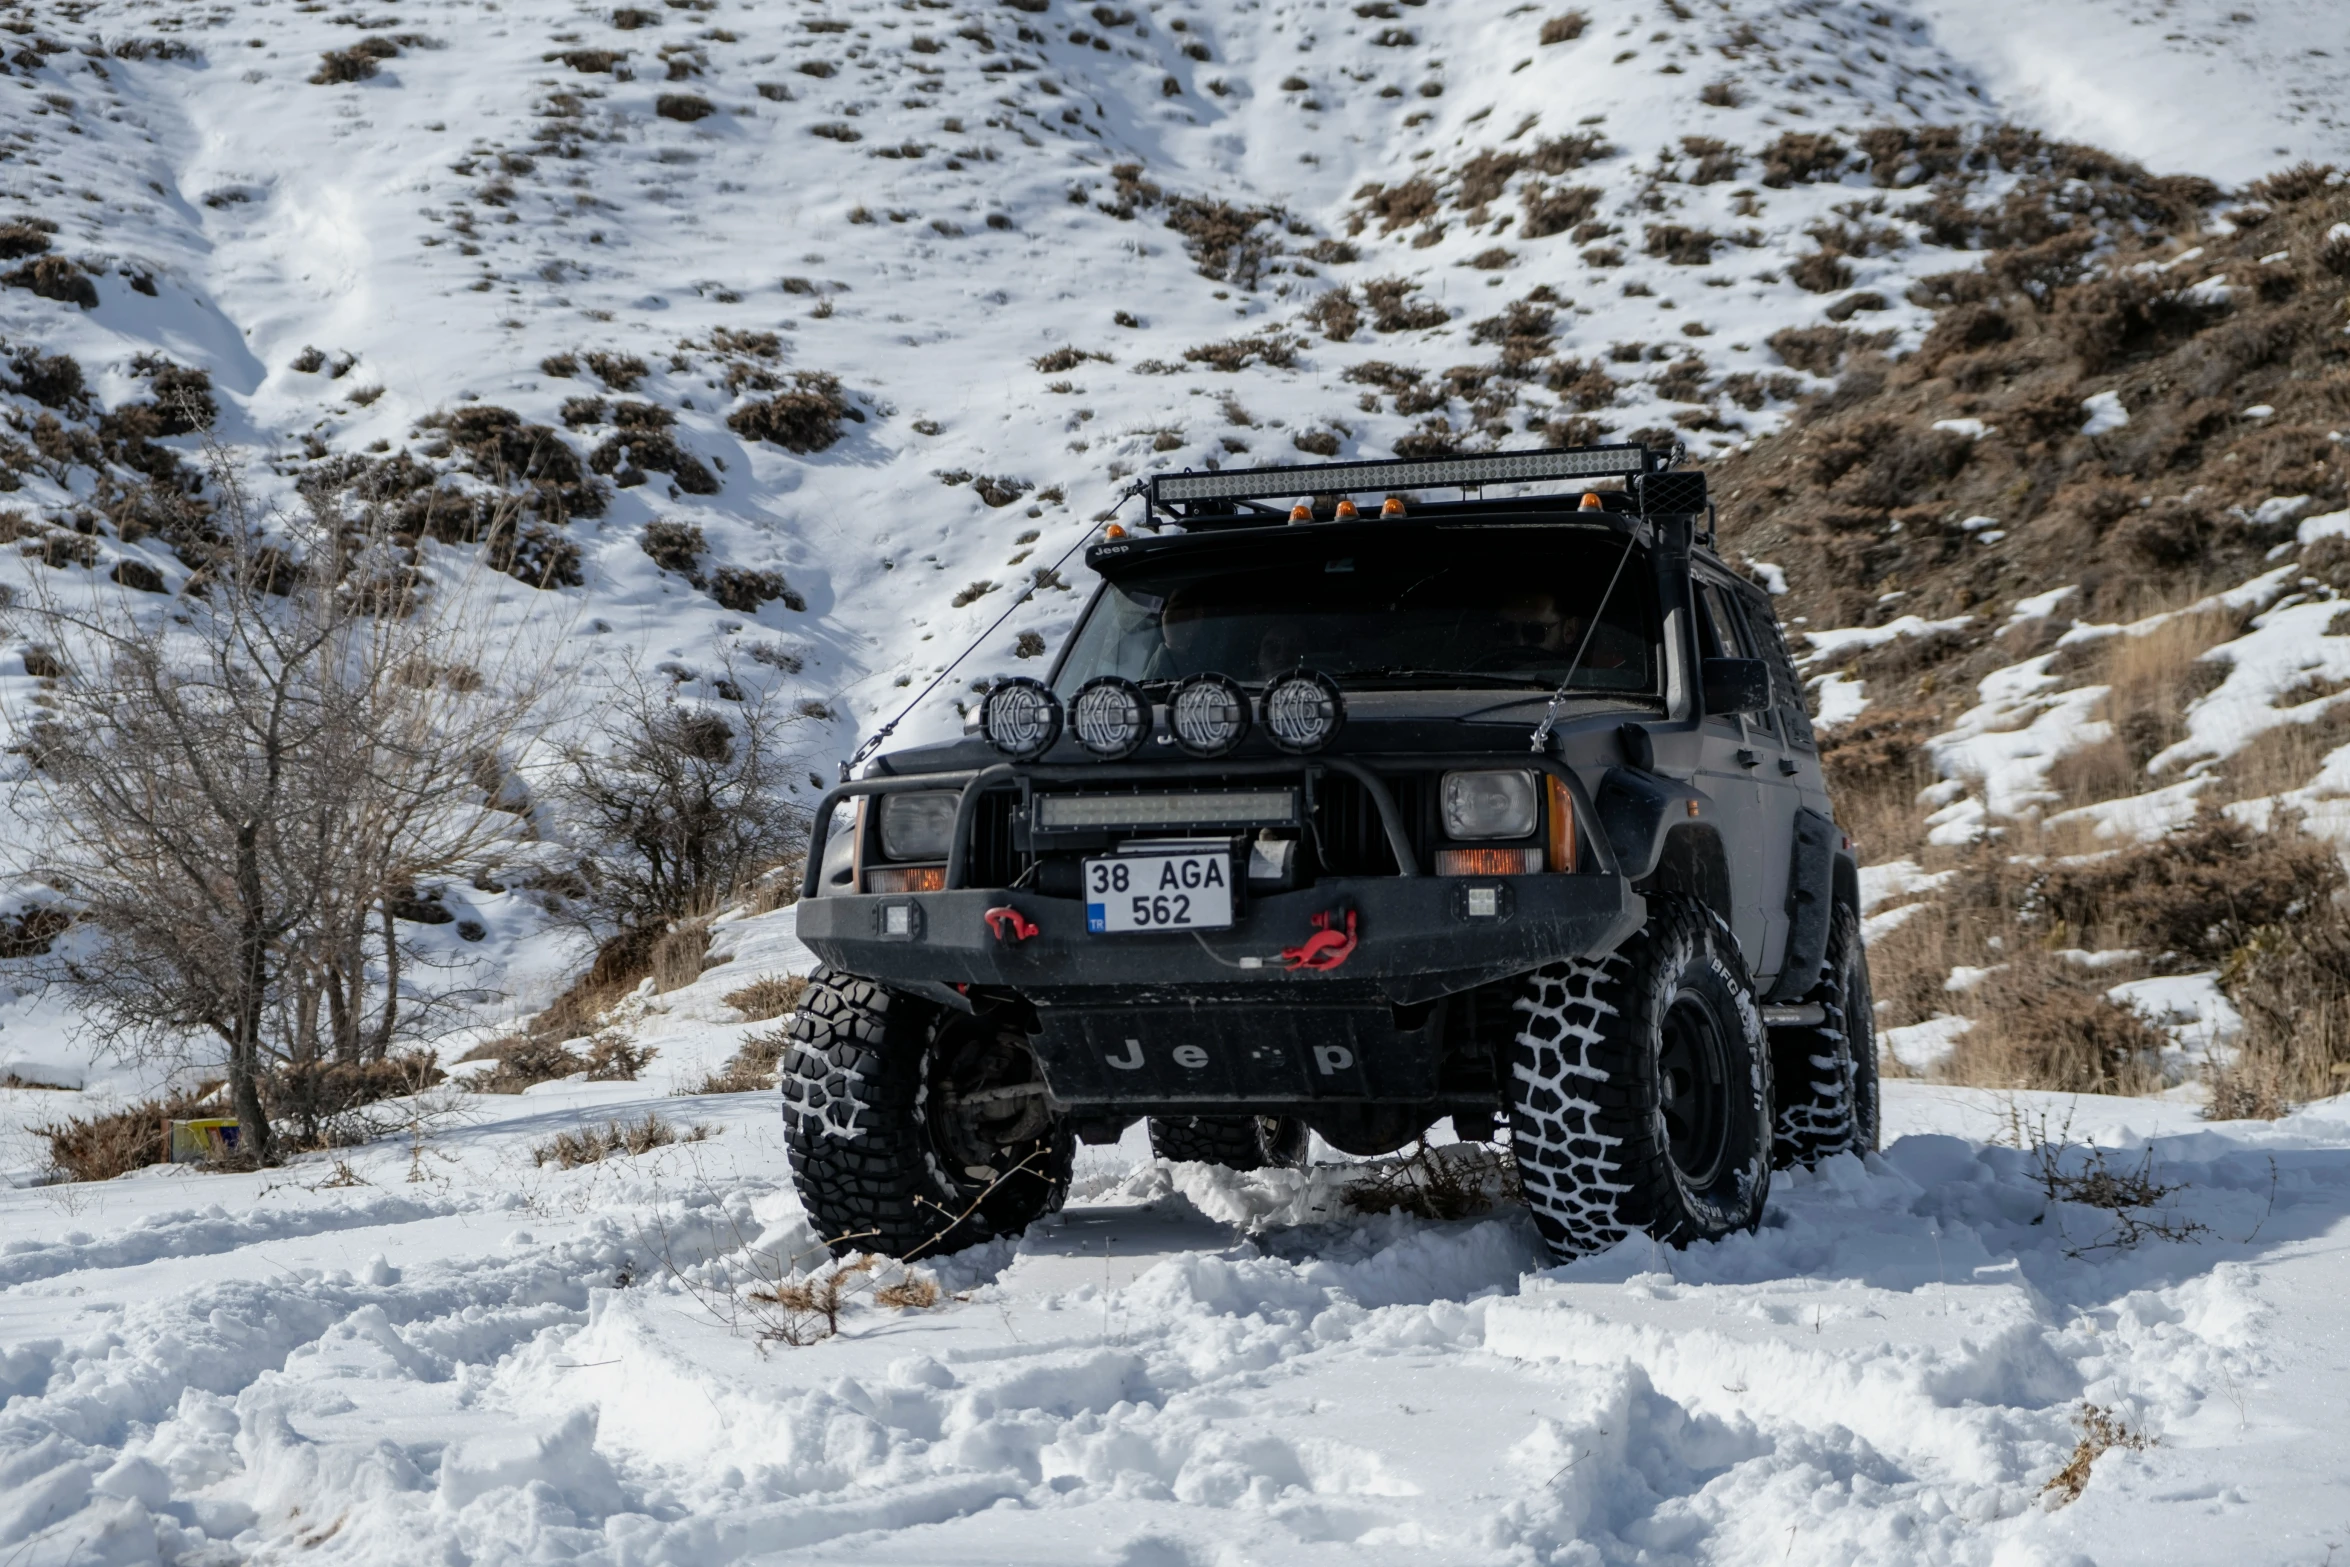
(1328,946)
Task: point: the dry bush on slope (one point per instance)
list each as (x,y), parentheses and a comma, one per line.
(1861,496)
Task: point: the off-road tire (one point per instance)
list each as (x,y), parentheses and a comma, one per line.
(1237,1142)
(1605,1147)
(1826,1073)
(856,1084)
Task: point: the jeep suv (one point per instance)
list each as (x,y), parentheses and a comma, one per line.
(1344,816)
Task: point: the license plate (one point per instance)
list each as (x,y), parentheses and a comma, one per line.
(1191,890)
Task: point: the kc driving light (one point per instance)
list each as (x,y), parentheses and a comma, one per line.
(1209,715)
(1302,711)
(1489,805)
(918,826)
(1020,718)
(1111,717)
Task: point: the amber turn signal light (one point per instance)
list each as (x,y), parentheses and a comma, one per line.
(1303,511)
(1391,507)
(1488,862)
(1562,825)
(1346,511)
(912,878)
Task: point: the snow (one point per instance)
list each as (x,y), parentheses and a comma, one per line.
(2106,413)
(1843,641)
(2039,606)
(1840,700)
(1921,1047)
(2130,76)
(2191,1010)
(1881,884)
(434,1348)
(504,1363)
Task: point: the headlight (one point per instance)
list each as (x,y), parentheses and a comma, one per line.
(1209,715)
(1020,717)
(918,826)
(1111,716)
(1489,805)
(1303,711)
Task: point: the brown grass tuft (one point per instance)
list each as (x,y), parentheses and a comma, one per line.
(594,1144)
(770,995)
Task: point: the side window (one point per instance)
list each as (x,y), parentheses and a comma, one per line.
(1786,685)
(1725,640)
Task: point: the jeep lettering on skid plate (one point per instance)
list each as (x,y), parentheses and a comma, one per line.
(1475,787)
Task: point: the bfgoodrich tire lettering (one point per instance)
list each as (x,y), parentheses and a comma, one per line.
(1237,1142)
(1640,1089)
(1826,1074)
(869,1085)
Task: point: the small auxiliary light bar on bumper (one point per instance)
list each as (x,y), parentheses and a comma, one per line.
(1228,809)
(1203,491)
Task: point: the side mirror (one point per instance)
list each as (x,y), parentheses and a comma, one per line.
(1735,685)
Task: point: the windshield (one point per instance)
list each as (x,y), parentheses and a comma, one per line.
(1487,607)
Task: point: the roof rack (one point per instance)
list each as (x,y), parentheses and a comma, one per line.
(1192,495)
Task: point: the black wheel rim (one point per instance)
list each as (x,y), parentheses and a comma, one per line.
(1692,1098)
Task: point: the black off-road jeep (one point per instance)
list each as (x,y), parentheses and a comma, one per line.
(1345,817)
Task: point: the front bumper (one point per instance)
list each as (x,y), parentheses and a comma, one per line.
(1416,939)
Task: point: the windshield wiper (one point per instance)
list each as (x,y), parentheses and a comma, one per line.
(1466,677)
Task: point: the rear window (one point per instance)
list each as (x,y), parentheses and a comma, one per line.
(1484,607)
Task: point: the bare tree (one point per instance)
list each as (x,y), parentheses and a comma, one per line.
(233,792)
(684,803)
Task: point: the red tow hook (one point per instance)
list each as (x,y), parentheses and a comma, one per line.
(1328,946)
(1010,924)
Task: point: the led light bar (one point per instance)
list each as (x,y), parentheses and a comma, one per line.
(1231,808)
(1583,462)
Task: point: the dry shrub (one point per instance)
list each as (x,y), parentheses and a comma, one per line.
(2291,984)
(1222,240)
(1875,766)
(1237,354)
(1457,1181)
(770,995)
(752,1067)
(522,1063)
(1393,309)
(621,372)
(1564,28)
(675,546)
(805,419)
(684,106)
(2101,1431)
(594,1144)
(2151,679)
(1397,206)
(1336,314)
(1554,209)
(612,1059)
(1799,157)
(318,1097)
(54,277)
(1680,245)
(101,1147)
(2041,1023)
(807,1310)
(2199,893)
(355,64)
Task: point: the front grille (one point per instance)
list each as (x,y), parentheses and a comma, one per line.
(994,862)
(1349,838)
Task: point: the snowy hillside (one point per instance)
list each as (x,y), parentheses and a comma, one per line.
(892,300)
